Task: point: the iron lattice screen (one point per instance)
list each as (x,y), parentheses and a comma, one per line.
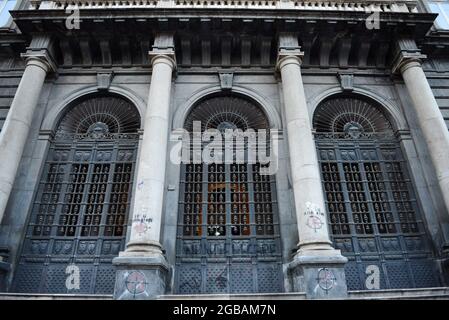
(79,217)
(81,206)
(374,216)
(228,235)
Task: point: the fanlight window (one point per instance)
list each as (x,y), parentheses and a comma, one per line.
(227,113)
(351,117)
(99,118)
(81,208)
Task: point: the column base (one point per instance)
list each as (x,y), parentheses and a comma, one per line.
(5,268)
(140,276)
(444,264)
(319,273)
(143,248)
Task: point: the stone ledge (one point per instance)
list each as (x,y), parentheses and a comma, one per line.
(139,260)
(248,296)
(39,296)
(409,6)
(387,294)
(394,294)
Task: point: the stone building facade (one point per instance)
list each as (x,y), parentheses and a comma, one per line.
(97,98)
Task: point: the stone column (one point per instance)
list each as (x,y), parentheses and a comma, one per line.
(428,114)
(142,263)
(5,267)
(15,131)
(317,268)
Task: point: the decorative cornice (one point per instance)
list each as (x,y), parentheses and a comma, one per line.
(319,32)
(410,6)
(188,19)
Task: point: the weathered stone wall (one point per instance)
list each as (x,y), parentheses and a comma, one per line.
(437,72)
(57,93)
(188,87)
(9,80)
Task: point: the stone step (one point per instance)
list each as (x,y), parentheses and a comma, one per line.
(387,294)
(45,296)
(243,296)
(394,294)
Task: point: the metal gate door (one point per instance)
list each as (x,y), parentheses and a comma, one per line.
(228,229)
(79,217)
(374,215)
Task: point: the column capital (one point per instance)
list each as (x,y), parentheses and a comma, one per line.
(40,52)
(287,57)
(406,55)
(41,59)
(289,50)
(163,50)
(163,56)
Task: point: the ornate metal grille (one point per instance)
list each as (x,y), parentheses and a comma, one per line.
(228,228)
(81,206)
(374,216)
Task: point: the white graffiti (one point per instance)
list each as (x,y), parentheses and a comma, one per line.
(73,280)
(226,146)
(313,209)
(373,21)
(73,20)
(373,279)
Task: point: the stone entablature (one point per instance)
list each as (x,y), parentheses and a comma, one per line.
(409,6)
(316,29)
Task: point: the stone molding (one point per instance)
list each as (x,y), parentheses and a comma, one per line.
(163,50)
(167,57)
(410,6)
(289,51)
(407,55)
(346,81)
(39,53)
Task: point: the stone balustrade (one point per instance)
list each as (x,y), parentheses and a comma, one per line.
(335,5)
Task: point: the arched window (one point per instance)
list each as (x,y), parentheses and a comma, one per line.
(79,217)
(228,228)
(374,215)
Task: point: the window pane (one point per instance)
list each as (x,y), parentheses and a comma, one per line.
(5,6)
(442,8)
